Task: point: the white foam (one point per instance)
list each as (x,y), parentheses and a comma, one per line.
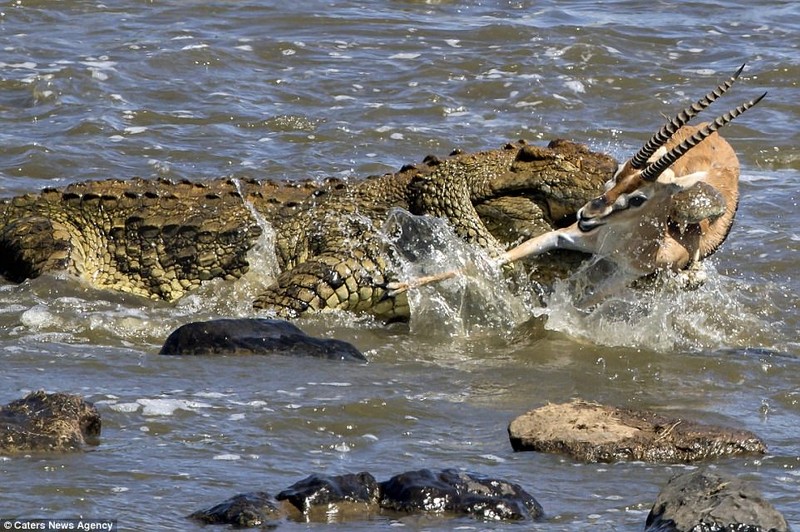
(38,317)
(655,317)
(125,407)
(575,86)
(167,407)
(254,403)
(212,395)
(405,55)
(227,457)
(28,65)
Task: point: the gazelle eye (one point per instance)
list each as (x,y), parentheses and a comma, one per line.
(636,201)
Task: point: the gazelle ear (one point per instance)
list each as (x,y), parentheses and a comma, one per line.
(683,182)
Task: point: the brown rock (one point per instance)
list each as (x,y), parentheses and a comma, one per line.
(597,433)
(47,422)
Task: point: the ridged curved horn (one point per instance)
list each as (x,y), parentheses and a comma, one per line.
(654,170)
(665,133)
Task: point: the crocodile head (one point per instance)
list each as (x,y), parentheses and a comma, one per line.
(559,178)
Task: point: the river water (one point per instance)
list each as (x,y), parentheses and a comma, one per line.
(182,89)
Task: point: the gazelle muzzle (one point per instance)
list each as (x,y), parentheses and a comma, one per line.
(593,214)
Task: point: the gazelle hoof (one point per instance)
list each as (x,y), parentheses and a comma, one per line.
(396,288)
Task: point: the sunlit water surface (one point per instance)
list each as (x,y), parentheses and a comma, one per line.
(246,89)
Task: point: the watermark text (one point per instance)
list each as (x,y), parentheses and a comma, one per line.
(82,525)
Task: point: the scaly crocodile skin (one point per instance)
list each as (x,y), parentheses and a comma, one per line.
(161,239)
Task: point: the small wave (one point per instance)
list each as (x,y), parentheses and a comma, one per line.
(157,406)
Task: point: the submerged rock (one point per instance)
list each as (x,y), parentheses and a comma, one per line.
(458,492)
(351,497)
(702,501)
(326,490)
(255,336)
(48,422)
(596,433)
(247,510)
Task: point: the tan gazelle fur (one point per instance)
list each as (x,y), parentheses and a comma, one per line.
(632,222)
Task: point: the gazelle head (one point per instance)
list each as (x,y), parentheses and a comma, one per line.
(639,191)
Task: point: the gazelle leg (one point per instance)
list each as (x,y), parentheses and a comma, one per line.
(398,287)
(562,238)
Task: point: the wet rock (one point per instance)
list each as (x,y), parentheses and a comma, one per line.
(247,510)
(596,433)
(48,422)
(458,492)
(702,501)
(254,337)
(326,490)
(354,497)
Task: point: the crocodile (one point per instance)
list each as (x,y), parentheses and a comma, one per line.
(161,239)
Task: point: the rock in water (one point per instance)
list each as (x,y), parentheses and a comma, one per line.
(47,422)
(597,433)
(358,497)
(332,490)
(450,490)
(255,336)
(702,501)
(247,510)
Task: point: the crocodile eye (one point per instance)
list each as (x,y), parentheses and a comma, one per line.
(636,201)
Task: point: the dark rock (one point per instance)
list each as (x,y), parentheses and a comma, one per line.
(318,490)
(458,492)
(48,422)
(596,433)
(358,497)
(702,501)
(254,337)
(254,509)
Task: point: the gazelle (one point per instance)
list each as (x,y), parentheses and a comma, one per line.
(635,223)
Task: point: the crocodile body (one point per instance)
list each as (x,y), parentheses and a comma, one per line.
(161,239)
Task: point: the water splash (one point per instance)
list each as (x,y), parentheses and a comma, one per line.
(262,257)
(236,299)
(478,300)
(665,315)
